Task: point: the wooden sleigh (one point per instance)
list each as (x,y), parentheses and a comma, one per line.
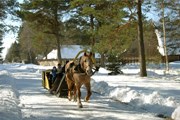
(59,86)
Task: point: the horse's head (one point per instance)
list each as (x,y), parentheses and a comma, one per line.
(87,63)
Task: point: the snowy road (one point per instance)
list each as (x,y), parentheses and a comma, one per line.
(37,104)
(119,97)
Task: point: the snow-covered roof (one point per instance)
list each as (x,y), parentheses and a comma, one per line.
(68,52)
(173,46)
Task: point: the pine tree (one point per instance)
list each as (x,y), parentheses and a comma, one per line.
(34,41)
(13,54)
(25,39)
(47,13)
(104,21)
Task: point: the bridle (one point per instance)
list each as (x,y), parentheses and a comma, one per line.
(79,68)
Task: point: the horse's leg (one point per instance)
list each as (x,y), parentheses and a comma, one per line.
(74,93)
(70,85)
(88,88)
(79,96)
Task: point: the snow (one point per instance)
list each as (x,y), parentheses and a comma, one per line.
(116,97)
(176,114)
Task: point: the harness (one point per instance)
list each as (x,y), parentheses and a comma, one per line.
(76,68)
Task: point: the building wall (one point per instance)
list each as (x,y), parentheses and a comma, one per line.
(171,58)
(49,62)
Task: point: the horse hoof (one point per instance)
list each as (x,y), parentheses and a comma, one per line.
(75,99)
(80,106)
(69,99)
(86,100)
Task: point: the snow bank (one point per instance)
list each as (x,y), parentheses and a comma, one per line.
(153,102)
(8,98)
(99,87)
(176,114)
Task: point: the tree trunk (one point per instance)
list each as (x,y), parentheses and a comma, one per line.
(92,29)
(102,60)
(142,60)
(56,31)
(164,36)
(30,57)
(58,48)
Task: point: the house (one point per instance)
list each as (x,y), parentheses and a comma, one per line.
(155,50)
(68,52)
(172,46)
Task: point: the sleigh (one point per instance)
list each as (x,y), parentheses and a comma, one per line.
(58,87)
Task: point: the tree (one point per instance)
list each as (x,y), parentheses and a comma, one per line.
(13,54)
(34,42)
(141,41)
(164,38)
(46,13)
(42,43)
(75,32)
(106,24)
(25,39)
(6,7)
(150,42)
(31,36)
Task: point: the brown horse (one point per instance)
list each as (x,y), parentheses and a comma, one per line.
(78,75)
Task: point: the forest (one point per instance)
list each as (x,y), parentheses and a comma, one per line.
(110,27)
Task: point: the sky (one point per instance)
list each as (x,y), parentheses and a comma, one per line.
(115,97)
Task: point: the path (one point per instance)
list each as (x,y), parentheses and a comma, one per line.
(37,104)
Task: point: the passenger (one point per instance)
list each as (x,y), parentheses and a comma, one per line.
(59,68)
(59,75)
(54,74)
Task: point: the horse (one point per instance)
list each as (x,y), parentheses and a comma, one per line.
(78,75)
